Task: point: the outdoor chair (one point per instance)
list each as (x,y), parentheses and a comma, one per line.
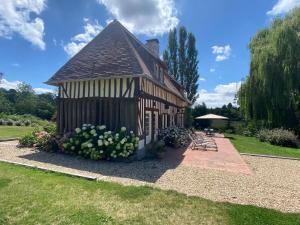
(197,143)
(202,142)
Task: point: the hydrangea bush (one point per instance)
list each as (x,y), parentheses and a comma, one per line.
(96,142)
(174,136)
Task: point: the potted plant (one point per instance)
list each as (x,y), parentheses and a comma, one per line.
(159,148)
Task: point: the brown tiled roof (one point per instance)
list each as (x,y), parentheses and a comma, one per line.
(113,52)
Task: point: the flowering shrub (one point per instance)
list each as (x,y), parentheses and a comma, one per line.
(95,142)
(9,122)
(44,140)
(174,136)
(28,140)
(279,137)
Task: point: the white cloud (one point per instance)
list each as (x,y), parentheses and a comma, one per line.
(222,94)
(20,17)
(150,17)
(212,70)
(222,52)
(43,90)
(202,79)
(283,6)
(14,84)
(15,64)
(9,84)
(80,40)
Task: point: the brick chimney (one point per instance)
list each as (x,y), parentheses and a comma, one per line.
(153,46)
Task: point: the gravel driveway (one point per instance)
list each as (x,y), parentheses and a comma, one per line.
(274,183)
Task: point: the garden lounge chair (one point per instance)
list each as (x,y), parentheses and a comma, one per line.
(202,142)
(197,143)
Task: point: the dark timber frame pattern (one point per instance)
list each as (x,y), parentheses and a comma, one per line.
(121,102)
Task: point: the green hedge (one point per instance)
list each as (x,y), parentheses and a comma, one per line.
(278,136)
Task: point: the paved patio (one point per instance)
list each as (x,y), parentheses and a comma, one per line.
(226,158)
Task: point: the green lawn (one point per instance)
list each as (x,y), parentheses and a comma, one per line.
(29,196)
(13,131)
(253,145)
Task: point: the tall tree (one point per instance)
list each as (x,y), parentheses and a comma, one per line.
(167,60)
(270,94)
(182,54)
(181,60)
(171,54)
(191,76)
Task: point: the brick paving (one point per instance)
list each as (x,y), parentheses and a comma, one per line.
(226,158)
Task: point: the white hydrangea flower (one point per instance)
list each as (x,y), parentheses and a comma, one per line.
(93,131)
(108,132)
(101,137)
(137,138)
(106,143)
(102,127)
(123,129)
(100,142)
(72,147)
(77,130)
(84,128)
(92,127)
(110,139)
(101,151)
(90,145)
(131,132)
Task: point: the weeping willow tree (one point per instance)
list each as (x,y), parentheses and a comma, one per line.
(270,94)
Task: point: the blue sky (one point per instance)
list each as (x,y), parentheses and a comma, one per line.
(37,37)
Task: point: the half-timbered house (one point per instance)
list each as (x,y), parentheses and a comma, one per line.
(118,81)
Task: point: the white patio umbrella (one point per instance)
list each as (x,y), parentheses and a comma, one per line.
(211,117)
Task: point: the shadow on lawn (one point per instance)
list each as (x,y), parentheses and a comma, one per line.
(149,170)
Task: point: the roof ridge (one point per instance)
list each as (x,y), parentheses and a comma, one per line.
(141,43)
(137,40)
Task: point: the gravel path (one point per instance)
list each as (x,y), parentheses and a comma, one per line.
(275,183)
